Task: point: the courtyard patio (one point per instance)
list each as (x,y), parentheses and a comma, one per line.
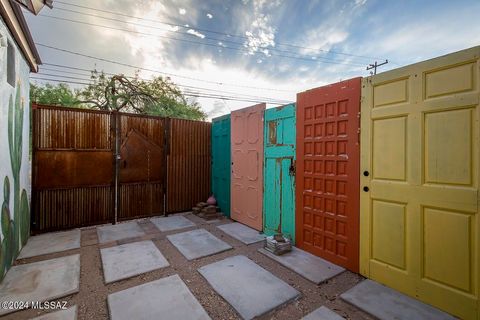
(179,267)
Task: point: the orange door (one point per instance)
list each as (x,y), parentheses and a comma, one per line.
(247,166)
(327,176)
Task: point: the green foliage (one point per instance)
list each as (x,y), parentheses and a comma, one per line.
(54,95)
(158,96)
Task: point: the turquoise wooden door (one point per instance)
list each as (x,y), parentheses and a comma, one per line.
(221,162)
(279,188)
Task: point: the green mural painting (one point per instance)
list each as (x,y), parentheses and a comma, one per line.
(15,231)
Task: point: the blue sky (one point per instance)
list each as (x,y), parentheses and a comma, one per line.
(328,40)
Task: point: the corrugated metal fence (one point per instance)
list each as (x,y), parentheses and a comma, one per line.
(164,166)
(189,164)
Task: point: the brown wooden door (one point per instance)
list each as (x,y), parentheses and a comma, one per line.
(327,176)
(247,166)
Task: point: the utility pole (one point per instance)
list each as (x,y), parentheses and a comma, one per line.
(374,66)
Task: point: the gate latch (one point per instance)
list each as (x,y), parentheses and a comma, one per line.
(291,170)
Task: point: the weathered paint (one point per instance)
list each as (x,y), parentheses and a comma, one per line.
(221,162)
(247,166)
(328,160)
(420,222)
(279,181)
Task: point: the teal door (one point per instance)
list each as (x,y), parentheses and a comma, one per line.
(221,162)
(279,188)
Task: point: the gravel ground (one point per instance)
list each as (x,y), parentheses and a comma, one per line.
(91,301)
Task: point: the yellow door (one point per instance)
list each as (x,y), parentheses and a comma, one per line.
(420,221)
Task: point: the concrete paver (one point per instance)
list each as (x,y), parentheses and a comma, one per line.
(388,304)
(119,231)
(51,243)
(67,314)
(131,259)
(322,313)
(242,233)
(198,243)
(250,289)
(167,298)
(41,281)
(172,223)
(306,264)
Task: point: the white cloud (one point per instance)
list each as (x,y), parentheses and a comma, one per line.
(322,39)
(209,16)
(246,82)
(360,3)
(219,108)
(182,11)
(261,33)
(196,33)
(148,49)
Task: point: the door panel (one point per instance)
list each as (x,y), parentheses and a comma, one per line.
(247,166)
(419,219)
(279,196)
(327,183)
(221,161)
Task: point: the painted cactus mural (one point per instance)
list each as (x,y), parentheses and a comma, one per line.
(7,247)
(15,230)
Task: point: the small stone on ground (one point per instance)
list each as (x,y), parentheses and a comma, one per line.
(41,281)
(131,259)
(250,289)
(119,231)
(67,314)
(387,304)
(307,265)
(51,243)
(322,313)
(198,243)
(172,223)
(167,298)
(242,233)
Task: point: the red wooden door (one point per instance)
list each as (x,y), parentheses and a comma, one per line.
(327,176)
(247,166)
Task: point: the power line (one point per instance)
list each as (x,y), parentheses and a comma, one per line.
(311,59)
(156,71)
(270,49)
(189,94)
(63,71)
(211,31)
(63,81)
(130,77)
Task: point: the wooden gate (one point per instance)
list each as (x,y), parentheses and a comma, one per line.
(74,166)
(328,159)
(279,190)
(247,166)
(420,222)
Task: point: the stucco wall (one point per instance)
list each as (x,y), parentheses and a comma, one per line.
(14,154)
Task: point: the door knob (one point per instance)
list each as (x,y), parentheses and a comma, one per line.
(366,189)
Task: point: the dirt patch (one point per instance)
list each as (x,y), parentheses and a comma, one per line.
(91,300)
